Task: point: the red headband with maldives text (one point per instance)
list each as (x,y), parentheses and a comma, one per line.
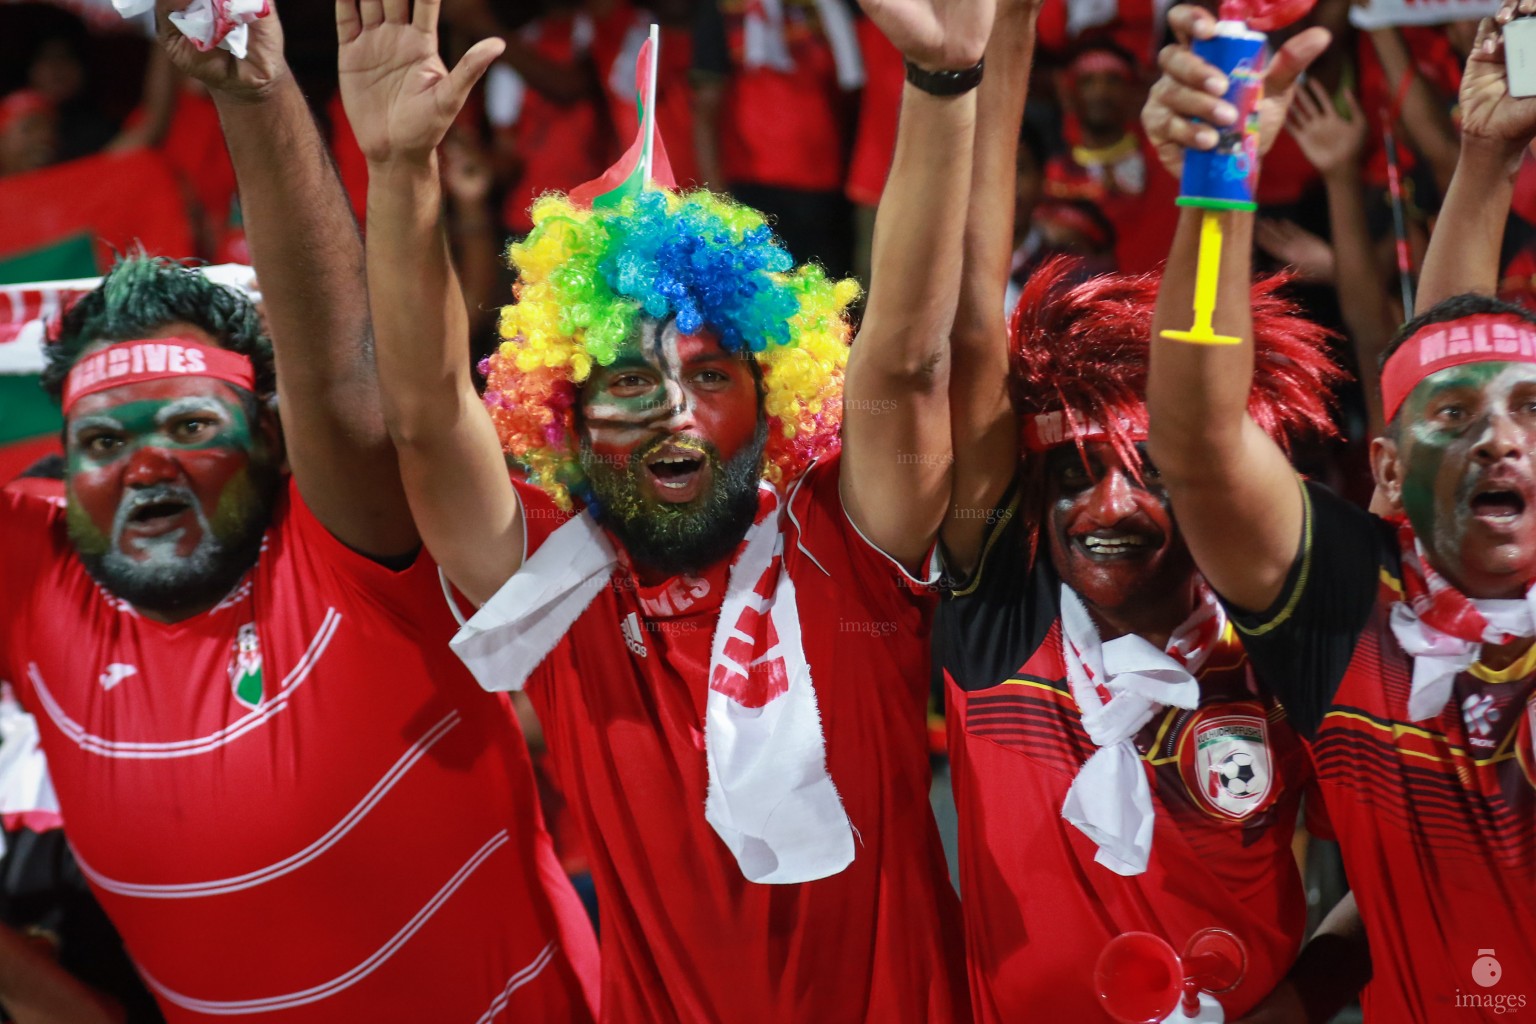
(131,362)
(1046,430)
(1483,338)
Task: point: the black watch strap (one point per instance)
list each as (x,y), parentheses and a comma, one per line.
(945,83)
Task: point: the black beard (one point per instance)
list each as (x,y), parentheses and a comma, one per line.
(675,540)
(203,577)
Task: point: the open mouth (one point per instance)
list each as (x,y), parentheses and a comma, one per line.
(1104,544)
(676,471)
(160,512)
(1498,505)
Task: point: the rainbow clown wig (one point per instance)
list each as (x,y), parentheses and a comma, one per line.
(1079,348)
(587,276)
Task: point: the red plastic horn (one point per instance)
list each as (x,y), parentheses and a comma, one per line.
(1141,980)
(1265,15)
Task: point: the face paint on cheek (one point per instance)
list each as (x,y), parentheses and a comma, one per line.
(88,536)
(94,493)
(1424,492)
(239,501)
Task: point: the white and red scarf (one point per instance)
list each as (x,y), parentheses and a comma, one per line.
(1119,686)
(770,798)
(1444,630)
(208,23)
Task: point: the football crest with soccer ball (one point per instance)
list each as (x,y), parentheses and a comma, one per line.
(1227,760)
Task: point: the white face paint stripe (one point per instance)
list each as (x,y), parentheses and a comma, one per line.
(665,354)
(100,421)
(190,404)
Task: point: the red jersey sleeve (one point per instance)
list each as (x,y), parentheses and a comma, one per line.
(31,535)
(410,595)
(541,516)
(823,534)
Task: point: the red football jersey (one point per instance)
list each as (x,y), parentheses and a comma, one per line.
(685,936)
(785,129)
(1436,819)
(1226,780)
(296,806)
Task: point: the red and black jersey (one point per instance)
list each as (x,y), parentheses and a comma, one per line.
(1436,818)
(1038,909)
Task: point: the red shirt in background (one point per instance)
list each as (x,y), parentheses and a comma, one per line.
(562,145)
(1436,62)
(616,40)
(879,111)
(777,128)
(1129,185)
(194,147)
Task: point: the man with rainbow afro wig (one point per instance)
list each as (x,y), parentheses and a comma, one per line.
(712,571)
(656,270)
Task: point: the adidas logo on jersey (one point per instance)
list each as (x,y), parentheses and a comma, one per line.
(634,636)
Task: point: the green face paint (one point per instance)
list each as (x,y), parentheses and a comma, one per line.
(169,487)
(1466,440)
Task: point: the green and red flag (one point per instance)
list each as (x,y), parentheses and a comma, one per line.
(645,162)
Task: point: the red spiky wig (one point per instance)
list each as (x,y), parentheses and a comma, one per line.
(1079,347)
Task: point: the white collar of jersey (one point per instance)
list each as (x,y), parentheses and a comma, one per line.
(770,797)
(1110,799)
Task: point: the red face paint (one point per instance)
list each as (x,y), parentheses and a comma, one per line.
(156,468)
(667,399)
(1112,539)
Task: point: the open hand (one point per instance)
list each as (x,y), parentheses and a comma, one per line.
(1191,89)
(1296,247)
(1488,112)
(1332,143)
(466,169)
(934,34)
(218,69)
(399,96)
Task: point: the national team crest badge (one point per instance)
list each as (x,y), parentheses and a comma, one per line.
(1233,771)
(245,666)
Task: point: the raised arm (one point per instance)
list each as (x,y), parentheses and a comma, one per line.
(1236,496)
(1335,145)
(1426,122)
(1496,128)
(896,446)
(984,429)
(309,259)
(401,101)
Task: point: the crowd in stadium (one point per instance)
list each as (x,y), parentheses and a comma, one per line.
(767,511)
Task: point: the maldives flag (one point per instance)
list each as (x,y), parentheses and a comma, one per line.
(118,199)
(29,419)
(646,159)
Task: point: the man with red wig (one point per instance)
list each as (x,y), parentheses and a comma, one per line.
(1115,766)
(1401,645)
